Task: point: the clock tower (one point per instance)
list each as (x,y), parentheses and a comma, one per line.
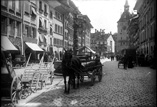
(122,36)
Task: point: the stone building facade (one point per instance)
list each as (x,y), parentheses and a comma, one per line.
(146,10)
(11,22)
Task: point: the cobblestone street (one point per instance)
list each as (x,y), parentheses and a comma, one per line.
(119,87)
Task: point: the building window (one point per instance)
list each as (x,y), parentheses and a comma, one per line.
(51,41)
(27,7)
(50,30)
(61,30)
(51,14)
(40,5)
(4,23)
(55,28)
(12,27)
(33,32)
(58,16)
(40,22)
(11,4)
(17,5)
(45,22)
(18,28)
(26,30)
(44,40)
(54,41)
(4,3)
(58,29)
(45,8)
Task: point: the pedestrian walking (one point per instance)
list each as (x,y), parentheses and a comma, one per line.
(125,61)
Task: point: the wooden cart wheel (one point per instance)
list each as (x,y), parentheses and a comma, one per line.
(100,74)
(15,90)
(17,65)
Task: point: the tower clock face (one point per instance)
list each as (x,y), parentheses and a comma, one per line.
(124,27)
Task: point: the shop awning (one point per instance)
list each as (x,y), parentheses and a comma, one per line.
(86,47)
(33,11)
(6,44)
(33,46)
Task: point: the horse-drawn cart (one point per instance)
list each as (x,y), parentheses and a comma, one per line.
(91,67)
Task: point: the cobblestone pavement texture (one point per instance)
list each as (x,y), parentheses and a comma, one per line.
(119,87)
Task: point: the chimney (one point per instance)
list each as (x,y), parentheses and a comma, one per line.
(95,30)
(103,31)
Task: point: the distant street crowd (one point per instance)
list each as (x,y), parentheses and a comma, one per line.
(139,60)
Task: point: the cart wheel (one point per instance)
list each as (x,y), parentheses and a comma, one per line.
(100,74)
(15,90)
(17,65)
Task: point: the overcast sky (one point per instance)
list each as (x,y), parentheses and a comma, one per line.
(103,14)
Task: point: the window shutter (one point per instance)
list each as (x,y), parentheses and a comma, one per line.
(13,4)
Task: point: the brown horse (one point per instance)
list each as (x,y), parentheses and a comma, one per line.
(71,66)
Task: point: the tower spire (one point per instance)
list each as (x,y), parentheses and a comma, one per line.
(126,6)
(126,3)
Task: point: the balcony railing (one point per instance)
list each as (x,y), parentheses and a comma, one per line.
(43,30)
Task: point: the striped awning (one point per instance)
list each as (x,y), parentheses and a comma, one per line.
(33,46)
(6,44)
